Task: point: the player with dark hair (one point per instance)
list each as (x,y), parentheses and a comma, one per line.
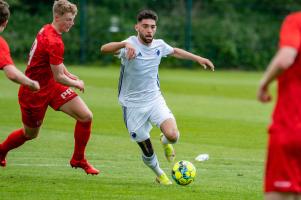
(139,89)
(45,64)
(283,166)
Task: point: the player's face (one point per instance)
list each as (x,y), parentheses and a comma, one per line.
(146,30)
(65,22)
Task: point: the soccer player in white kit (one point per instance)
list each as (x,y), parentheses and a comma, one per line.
(139,89)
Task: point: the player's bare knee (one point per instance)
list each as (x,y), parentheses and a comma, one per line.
(86,117)
(173,135)
(173,139)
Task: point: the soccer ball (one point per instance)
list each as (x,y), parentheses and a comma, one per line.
(183,172)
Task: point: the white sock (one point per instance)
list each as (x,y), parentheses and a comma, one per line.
(153,163)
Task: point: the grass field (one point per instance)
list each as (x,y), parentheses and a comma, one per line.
(217,113)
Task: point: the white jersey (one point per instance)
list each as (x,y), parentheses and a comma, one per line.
(139,79)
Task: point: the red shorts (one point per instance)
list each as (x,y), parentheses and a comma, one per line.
(283,167)
(34,104)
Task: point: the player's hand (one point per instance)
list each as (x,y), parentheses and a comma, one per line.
(80,85)
(206,63)
(34,86)
(130,51)
(263,94)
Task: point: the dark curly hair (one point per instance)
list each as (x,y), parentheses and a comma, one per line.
(147,14)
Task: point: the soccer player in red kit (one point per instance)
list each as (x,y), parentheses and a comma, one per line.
(46,65)
(6,62)
(283,166)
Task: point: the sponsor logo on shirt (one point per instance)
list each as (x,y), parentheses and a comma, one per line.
(139,54)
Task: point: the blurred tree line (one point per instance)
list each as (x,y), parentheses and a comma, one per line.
(234,34)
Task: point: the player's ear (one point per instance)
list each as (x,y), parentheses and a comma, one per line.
(55,17)
(136,27)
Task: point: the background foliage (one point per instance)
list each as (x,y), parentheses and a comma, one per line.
(235,34)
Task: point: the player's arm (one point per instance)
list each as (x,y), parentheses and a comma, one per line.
(70,75)
(60,76)
(282,60)
(15,75)
(114,47)
(182,54)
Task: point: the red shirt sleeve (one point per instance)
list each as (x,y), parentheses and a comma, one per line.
(5,58)
(290,33)
(56,53)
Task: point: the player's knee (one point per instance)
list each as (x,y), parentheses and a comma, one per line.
(86,117)
(173,135)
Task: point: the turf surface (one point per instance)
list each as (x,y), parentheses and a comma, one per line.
(217,113)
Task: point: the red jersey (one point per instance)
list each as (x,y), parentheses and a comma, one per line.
(287,113)
(48,48)
(5,58)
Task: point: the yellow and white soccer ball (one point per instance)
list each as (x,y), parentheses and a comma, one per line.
(183,172)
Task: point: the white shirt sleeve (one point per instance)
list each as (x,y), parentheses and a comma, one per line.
(167,49)
(122,52)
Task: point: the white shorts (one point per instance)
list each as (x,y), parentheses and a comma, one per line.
(139,120)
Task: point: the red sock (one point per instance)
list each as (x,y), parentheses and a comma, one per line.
(81,136)
(14,140)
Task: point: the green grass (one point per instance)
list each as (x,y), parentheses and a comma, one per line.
(217,113)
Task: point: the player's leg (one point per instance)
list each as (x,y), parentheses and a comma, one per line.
(77,109)
(169,136)
(280,196)
(282,175)
(150,159)
(16,139)
(170,131)
(163,118)
(136,121)
(32,119)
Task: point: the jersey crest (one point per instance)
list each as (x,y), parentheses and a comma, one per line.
(158,52)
